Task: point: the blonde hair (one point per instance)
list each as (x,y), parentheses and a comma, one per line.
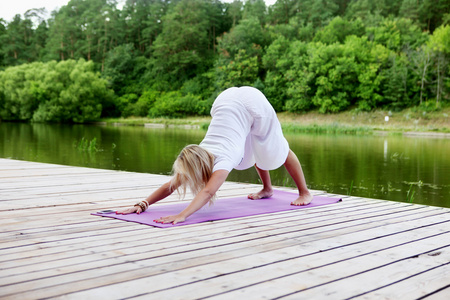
(192,169)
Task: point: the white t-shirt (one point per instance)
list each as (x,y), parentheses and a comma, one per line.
(245,130)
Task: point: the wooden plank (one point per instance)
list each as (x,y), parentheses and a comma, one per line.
(6,164)
(74,180)
(419,285)
(49,172)
(442,294)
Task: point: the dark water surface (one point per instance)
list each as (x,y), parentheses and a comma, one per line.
(368,166)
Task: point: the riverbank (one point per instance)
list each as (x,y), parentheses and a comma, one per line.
(409,121)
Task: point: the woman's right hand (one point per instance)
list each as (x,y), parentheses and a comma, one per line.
(129,210)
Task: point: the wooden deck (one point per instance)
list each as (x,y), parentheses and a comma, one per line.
(51,247)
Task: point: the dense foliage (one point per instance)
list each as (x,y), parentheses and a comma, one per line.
(171,58)
(67,91)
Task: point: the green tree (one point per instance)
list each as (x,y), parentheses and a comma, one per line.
(316,12)
(397,34)
(289,31)
(421,60)
(410,9)
(431,13)
(276,65)
(400,88)
(17,41)
(342,4)
(365,8)
(335,76)
(282,11)
(142,20)
(39,41)
(440,45)
(69,91)
(410,34)
(219,21)
(97,23)
(240,71)
(348,74)
(84,29)
(248,35)
(119,68)
(321,11)
(286,82)
(2,44)
(81,97)
(38,34)
(234,11)
(182,47)
(338,29)
(256,9)
(93,21)
(299,80)
(19,87)
(240,52)
(63,32)
(175,104)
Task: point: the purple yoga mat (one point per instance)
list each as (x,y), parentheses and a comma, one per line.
(223,208)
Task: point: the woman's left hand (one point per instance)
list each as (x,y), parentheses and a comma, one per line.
(170,219)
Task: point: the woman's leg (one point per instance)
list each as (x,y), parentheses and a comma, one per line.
(267,190)
(294,169)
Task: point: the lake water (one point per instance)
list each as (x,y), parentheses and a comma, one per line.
(383,167)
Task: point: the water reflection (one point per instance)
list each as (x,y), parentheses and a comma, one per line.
(385,150)
(369,166)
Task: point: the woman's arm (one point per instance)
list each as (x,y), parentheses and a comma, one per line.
(162,192)
(213,185)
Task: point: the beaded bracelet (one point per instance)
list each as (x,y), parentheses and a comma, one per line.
(143,205)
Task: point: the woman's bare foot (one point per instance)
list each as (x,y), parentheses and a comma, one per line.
(264,193)
(304,199)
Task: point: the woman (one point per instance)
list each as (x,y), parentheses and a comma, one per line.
(244,131)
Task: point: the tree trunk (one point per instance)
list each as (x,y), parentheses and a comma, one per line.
(89,48)
(105,42)
(62,48)
(438,88)
(424,73)
(72,46)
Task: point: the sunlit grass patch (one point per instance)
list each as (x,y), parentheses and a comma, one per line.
(334,128)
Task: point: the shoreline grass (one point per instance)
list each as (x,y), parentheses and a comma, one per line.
(334,128)
(349,122)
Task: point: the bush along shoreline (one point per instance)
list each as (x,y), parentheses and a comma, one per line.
(408,121)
